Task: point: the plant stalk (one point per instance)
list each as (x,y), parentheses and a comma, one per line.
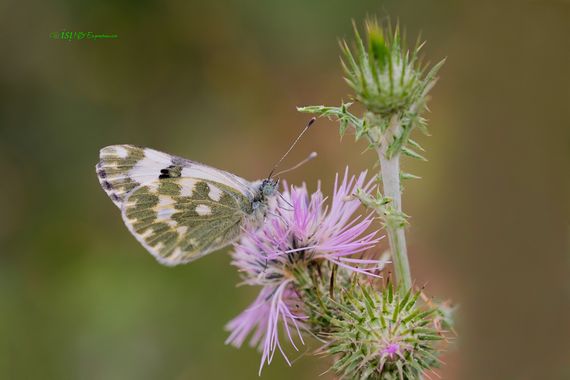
(390,172)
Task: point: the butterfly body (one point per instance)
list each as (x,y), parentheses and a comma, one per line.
(178,209)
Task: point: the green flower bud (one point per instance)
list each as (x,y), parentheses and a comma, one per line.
(384,336)
(385,76)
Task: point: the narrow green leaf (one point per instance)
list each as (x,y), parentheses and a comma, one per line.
(410,153)
(406,176)
(416,145)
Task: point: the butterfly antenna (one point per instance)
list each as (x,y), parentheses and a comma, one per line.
(292,146)
(309,158)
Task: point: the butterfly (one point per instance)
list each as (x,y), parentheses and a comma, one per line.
(181,210)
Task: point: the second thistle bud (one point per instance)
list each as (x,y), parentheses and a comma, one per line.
(384,336)
(389,80)
(383,74)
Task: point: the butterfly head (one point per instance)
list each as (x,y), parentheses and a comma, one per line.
(262,200)
(269,187)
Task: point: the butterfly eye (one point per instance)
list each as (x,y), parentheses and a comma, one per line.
(269,187)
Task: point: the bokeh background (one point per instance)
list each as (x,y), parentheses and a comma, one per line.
(218,82)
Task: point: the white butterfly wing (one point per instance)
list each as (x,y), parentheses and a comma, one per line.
(178,209)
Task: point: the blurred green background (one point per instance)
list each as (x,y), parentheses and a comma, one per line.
(218,82)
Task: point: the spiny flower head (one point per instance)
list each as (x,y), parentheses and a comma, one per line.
(384,74)
(385,336)
(301,231)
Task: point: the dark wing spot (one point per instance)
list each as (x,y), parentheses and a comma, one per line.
(163,174)
(173,171)
(115,197)
(107,185)
(101,173)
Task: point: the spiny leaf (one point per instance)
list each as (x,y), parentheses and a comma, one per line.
(405,176)
(410,153)
(416,145)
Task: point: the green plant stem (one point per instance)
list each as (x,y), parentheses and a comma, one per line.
(390,172)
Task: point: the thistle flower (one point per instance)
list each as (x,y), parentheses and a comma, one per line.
(385,336)
(301,231)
